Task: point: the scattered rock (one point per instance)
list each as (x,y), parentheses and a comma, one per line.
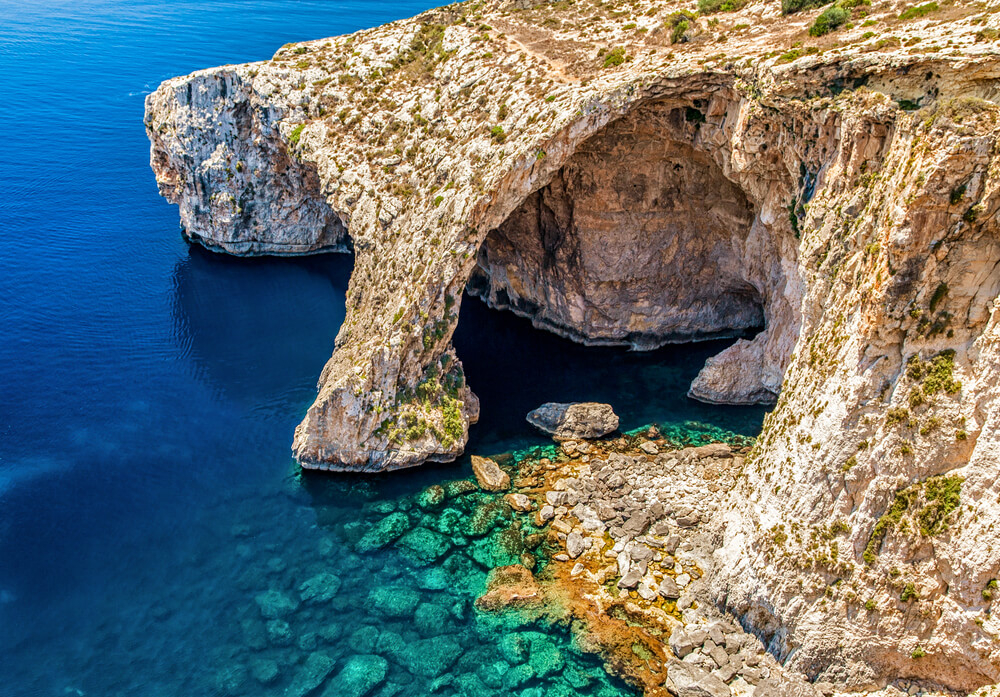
(423,545)
(649,447)
(575,545)
(568,421)
(519,502)
(489,475)
(394,601)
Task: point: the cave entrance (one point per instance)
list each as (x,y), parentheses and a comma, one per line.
(638,240)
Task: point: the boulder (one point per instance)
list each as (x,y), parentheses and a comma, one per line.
(691,681)
(310,675)
(575,420)
(361,675)
(519,502)
(511,586)
(489,475)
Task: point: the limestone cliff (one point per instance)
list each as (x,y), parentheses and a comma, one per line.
(636,174)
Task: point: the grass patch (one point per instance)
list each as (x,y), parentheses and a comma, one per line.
(931,503)
(918,11)
(830,19)
(707,7)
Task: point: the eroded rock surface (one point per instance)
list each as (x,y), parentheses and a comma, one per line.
(840,196)
(565,421)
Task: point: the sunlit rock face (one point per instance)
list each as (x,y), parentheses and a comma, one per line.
(843,202)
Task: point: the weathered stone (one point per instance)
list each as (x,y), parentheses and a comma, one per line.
(668,588)
(423,545)
(690,681)
(575,545)
(518,502)
(489,475)
(574,420)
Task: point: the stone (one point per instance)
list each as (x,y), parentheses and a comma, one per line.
(631,579)
(392,601)
(431,497)
(431,619)
(517,676)
(510,587)
(683,640)
(384,533)
(646,591)
(424,546)
(310,675)
(575,545)
(364,639)
(274,604)
(361,674)
(489,475)
(649,447)
(669,589)
(320,588)
(691,681)
(279,633)
(575,420)
(546,658)
(264,671)
(518,502)
(431,657)
(546,513)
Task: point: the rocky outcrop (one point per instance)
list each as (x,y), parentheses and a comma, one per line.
(574,420)
(840,200)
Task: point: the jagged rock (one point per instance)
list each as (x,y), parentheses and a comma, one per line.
(575,545)
(691,681)
(489,475)
(631,579)
(574,420)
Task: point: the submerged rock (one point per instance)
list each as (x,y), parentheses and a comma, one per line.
(360,676)
(424,546)
(511,586)
(274,604)
(311,675)
(564,421)
(385,532)
(489,475)
(320,588)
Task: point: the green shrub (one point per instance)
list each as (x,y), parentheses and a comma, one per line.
(678,23)
(790,6)
(918,11)
(830,19)
(939,292)
(918,652)
(497,133)
(707,7)
(614,57)
(909,593)
(296,134)
(870,605)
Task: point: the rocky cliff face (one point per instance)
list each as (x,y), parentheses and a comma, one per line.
(839,196)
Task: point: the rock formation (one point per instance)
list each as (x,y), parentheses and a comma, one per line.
(677,178)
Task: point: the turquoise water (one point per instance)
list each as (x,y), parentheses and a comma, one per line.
(149,390)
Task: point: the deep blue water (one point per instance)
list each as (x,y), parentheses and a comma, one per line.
(149,390)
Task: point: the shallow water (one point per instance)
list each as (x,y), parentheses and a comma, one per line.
(148,394)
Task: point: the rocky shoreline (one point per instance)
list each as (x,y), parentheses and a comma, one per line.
(634,522)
